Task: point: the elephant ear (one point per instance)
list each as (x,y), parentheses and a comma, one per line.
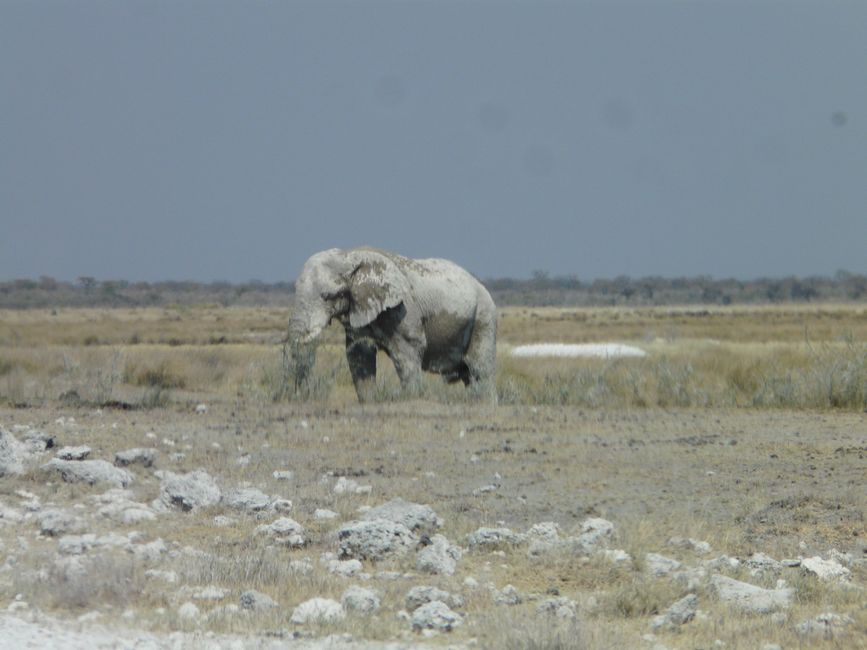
(376,284)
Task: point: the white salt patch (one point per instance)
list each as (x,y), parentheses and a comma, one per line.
(597,350)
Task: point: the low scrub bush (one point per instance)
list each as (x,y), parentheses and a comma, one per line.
(162,375)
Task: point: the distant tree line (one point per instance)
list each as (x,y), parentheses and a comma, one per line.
(540,290)
(544,290)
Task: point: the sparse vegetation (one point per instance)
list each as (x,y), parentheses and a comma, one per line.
(773,357)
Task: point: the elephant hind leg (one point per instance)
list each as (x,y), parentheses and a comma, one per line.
(407,360)
(481,361)
(461,373)
(361,356)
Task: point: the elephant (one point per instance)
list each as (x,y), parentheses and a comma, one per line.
(425,314)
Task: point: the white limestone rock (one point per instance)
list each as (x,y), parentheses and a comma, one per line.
(486,537)
(750,598)
(74,453)
(88,471)
(318,610)
(416,517)
(190,491)
(360,600)
(257,601)
(285,531)
(679,613)
(375,539)
(439,557)
(660,566)
(825,569)
(435,615)
(144,456)
(559,607)
(421,594)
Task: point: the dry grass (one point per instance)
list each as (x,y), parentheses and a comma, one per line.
(778,357)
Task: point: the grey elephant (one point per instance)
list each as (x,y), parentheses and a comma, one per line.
(425,314)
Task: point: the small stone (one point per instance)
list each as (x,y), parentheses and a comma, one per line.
(616,556)
(56,522)
(678,613)
(150,552)
(360,599)
(435,615)
(659,565)
(257,601)
(210,593)
(74,453)
(166,576)
(303,566)
(439,557)
(144,456)
(76,544)
(188,612)
(318,610)
(324,515)
(13,454)
(88,471)
(825,569)
(595,531)
(189,491)
(345,568)
(375,539)
(698,546)
(421,594)
(560,607)
(547,531)
(826,626)
(508,595)
(248,499)
(722,562)
(493,537)
(281,505)
(761,564)
(751,598)
(350,486)
(285,531)
(416,517)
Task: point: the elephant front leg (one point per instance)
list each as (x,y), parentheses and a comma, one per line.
(361,355)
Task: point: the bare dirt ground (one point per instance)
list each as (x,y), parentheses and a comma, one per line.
(788,484)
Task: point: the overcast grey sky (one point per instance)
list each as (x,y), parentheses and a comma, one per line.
(231,140)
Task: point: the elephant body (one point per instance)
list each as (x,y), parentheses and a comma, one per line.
(426,315)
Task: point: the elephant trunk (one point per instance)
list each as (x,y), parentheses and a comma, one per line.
(309,318)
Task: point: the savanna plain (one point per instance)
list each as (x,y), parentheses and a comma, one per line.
(710,494)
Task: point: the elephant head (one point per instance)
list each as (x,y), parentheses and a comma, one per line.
(355,286)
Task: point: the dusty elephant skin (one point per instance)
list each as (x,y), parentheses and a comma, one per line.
(426,315)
